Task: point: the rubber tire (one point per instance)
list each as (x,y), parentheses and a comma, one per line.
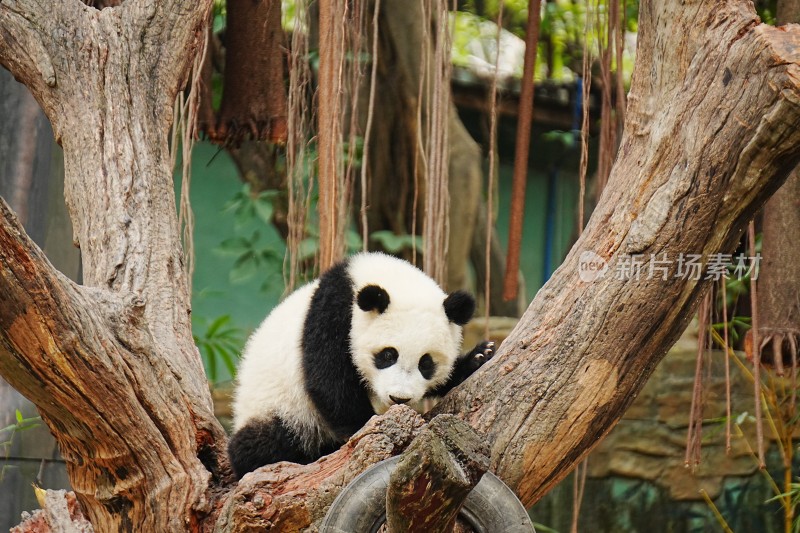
(491,507)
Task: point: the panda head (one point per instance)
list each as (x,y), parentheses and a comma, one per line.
(406,334)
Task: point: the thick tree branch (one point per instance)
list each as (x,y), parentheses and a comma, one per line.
(434,477)
(168,21)
(112,366)
(112,116)
(290,497)
(60,513)
(108,94)
(22,50)
(712,131)
(33,34)
(85,358)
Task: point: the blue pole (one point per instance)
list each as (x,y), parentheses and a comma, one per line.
(550,222)
(552,187)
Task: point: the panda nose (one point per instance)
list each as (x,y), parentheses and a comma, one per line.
(397,400)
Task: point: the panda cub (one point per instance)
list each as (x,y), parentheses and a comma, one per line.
(371,332)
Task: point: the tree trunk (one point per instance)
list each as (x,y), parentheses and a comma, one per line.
(111,365)
(704,147)
(254,97)
(712,130)
(434,477)
(779,278)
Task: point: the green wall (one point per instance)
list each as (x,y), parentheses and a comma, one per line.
(214,183)
(532,253)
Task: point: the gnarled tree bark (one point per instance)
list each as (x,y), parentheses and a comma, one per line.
(779,280)
(111,365)
(434,477)
(712,130)
(704,147)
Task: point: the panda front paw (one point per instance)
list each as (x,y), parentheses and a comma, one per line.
(479,355)
(465,366)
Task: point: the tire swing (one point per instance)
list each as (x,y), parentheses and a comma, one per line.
(491,507)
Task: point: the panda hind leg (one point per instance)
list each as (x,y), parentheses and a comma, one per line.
(263,442)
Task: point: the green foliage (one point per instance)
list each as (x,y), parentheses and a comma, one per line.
(357,154)
(562,31)
(219,339)
(565,139)
(290,16)
(737,287)
(313,59)
(252,255)
(220,342)
(310,245)
(767,10)
(737,327)
(515,13)
(794,494)
(470,29)
(21,424)
(781,416)
(220,14)
(7,434)
(631,15)
(541,528)
(246,205)
(393,243)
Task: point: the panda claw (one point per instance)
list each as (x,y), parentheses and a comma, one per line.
(488,350)
(482,353)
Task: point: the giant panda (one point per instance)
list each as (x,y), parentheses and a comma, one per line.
(371,332)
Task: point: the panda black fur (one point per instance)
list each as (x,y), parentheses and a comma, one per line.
(372,331)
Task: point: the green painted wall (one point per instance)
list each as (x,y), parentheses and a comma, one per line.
(214,183)
(532,253)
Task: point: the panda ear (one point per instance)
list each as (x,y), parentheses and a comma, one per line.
(459,306)
(373,298)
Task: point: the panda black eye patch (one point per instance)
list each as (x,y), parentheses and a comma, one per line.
(427,367)
(386,358)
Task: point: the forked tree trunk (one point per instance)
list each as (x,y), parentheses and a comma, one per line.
(111,365)
(704,146)
(712,130)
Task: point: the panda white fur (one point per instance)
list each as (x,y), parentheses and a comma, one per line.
(371,332)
